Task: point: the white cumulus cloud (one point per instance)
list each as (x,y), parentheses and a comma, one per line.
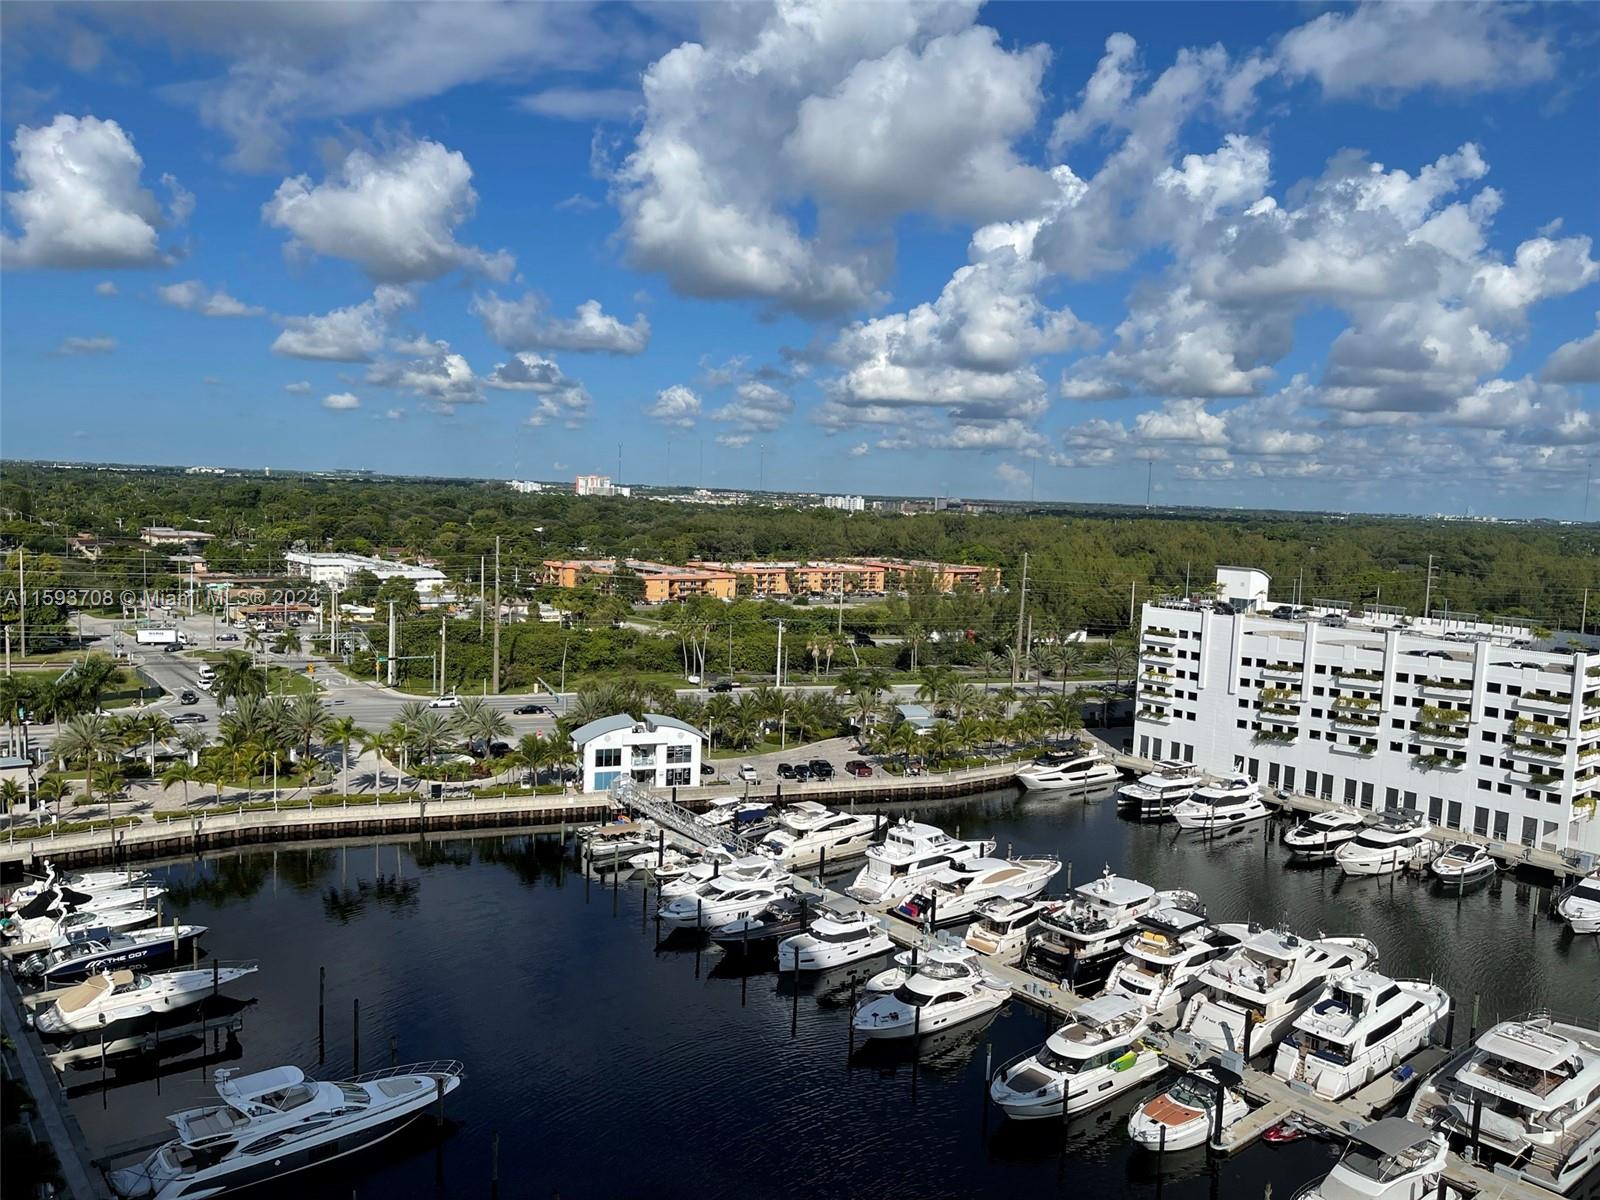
(676,406)
(526,324)
(193,296)
(352,334)
(340,401)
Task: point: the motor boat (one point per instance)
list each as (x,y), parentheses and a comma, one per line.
(1391,1159)
(1080,770)
(89,883)
(1095,1056)
(611,845)
(663,865)
(1248,998)
(1319,836)
(88,951)
(112,996)
(807,838)
(1152,796)
(952,896)
(1579,905)
(271,1124)
(1164,958)
(834,939)
(733,810)
(782,918)
(718,901)
(58,900)
(1461,864)
(910,854)
(1398,842)
(1528,1093)
(1229,804)
(720,864)
(947,988)
(1079,942)
(1002,928)
(51,929)
(1187,1111)
(905,962)
(1358,1028)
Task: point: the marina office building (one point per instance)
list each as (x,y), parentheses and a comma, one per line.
(1453,717)
(658,751)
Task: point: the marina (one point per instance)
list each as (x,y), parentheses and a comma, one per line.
(573,948)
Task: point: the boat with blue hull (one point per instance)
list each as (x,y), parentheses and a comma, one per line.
(75,956)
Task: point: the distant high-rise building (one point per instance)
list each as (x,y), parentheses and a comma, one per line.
(524,485)
(599,485)
(846,503)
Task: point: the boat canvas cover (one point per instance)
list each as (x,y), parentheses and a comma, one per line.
(90,990)
(1392,1135)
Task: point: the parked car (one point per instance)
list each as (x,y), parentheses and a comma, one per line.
(707,769)
(821,768)
(858,768)
(694,679)
(189,719)
(722,685)
(445,702)
(801,772)
(531,710)
(863,639)
(748,773)
(785,770)
(227,637)
(1283,612)
(188,697)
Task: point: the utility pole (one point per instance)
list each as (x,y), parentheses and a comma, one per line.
(1427,591)
(777,666)
(496,679)
(1133,589)
(333,639)
(22,606)
(391,644)
(482,597)
(1022,608)
(1584,619)
(442,619)
(1149,480)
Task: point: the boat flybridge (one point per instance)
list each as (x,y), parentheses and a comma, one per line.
(1185,1115)
(1164,958)
(1391,1159)
(1253,993)
(274,1123)
(809,832)
(1461,864)
(1528,1090)
(1580,905)
(1233,802)
(834,939)
(952,896)
(113,996)
(1359,1027)
(1078,942)
(1152,796)
(1096,1055)
(946,988)
(1081,769)
(1319,836)
(1003,926)
(717,863)
(910,854)
(1398,842)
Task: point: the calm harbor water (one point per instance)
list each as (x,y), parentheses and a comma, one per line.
(611,1068)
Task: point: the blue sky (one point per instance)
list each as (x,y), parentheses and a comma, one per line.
(1294,255)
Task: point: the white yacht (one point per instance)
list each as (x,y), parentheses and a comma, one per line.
(86,882)
(1233,802)
(1535,1085)
(719,864)
(1319,836)
(1264,984)
(1187,1110)
(1079,941)
(1163,960)
(1398,842)
(1359,1027)
(663,865)
(1002,928)
(808,832)
(946,989)
(62,927)
(905,961)
(1461,864)
(833,939)
(1391,1159)
(113,996)
(611,845)
(1083,769)
(910,854)
(1152,796)
(1579,905)
(732,810)
(952,896)
(1095,1056)
(274,1123)
(718,901)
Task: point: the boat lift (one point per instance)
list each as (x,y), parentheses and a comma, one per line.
(669,814)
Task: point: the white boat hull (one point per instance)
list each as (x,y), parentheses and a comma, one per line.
(886,1018)
(1100,779)
(815,955)
(1088,1090)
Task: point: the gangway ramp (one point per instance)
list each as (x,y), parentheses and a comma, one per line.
(670,815)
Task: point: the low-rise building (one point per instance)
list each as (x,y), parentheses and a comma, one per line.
(599,485)
(900,573)
(659,583)
(323,567)
(158,535)
(1455,718)
(845,503)
(658,751)
(802,578)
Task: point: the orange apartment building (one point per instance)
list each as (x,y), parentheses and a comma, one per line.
(800,579)
(662,581)
(946,577)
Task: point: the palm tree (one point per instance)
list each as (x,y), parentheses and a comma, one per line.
(107,776)
(287,642)
(379,743)
(718,709)
(862,711)
(961,699)
(51,789)
(1065,713)
(10,792)
(215,772)
(744,723)
(993,663)
(430,735)
(1119,660)
(344,730)
(305,718)
(482,724)
(940,740)
(236,676)
(935,684)
(181,773)
(968,731)
(193,742)
(88,739)
(530,755)
(1069,661)
(253,643)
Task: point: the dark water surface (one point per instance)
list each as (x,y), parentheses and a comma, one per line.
(609,1068)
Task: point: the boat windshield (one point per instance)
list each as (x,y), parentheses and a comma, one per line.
(1370,1164)
(1587,891)
(944,970)
(1193,1093)
(1384,842)
(908,995)
(1461,850)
